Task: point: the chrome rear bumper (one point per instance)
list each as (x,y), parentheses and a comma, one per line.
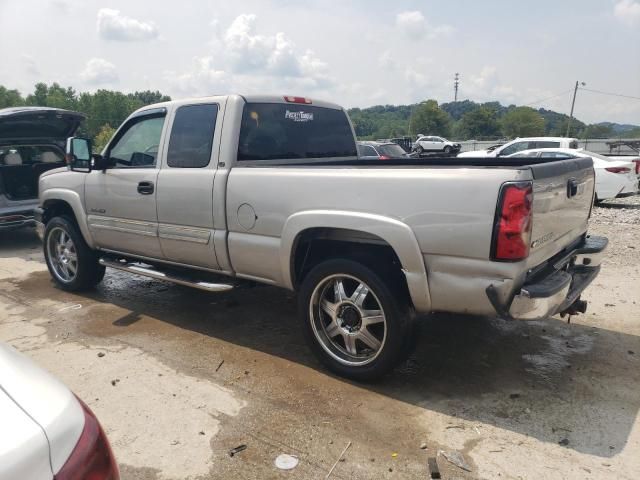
(558,289)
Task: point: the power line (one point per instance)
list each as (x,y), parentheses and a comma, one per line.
(548,98)
(609,93)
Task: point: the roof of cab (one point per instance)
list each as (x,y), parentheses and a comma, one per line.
(247,98)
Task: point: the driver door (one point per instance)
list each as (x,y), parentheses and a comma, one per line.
(121,200)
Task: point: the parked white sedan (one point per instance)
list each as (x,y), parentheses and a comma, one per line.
(614,178)
(45,431)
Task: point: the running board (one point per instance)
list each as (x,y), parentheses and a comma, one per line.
(151,272)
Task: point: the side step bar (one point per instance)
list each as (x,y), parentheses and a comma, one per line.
(151,272)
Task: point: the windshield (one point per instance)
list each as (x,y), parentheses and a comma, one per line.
(391,150)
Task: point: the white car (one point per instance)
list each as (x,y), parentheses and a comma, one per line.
(521,144)
(46,432)
(614,178)
(434,144)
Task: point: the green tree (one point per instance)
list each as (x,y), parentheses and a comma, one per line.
(598,131)
(10,98)
(522,122)
(103,137)
(429,119)
(478,124)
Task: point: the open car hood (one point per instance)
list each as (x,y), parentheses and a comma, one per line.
(44,124)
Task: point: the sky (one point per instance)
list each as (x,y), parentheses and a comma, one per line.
(356,53)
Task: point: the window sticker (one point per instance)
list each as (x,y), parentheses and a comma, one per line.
(298,116)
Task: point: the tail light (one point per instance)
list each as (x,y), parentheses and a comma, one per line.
(512,228)
(91,458)
(303,100)
(618,169)
(637,162)
(384,157)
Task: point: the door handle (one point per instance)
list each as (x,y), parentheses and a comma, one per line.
(145,188)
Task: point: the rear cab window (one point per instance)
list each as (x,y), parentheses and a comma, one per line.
(275,131)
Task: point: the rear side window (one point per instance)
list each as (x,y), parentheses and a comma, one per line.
(391,150)
(192,136)
(516,147)
(367,151)
(540,144)
(274,131)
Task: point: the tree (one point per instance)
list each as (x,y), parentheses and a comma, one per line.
(598,131)
(103,137)
(522,122)
(479,123)
(10,98)
(429,119)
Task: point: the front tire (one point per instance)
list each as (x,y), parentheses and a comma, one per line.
(354,323)
(71,262)
(419,149)
(447,150)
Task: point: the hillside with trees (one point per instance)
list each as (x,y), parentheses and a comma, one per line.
(463,120)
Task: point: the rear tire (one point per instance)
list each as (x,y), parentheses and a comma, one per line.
(419,149)
(447,150)
(354,323)
(73,265)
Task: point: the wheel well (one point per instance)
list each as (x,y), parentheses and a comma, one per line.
(315,245)
(57,208)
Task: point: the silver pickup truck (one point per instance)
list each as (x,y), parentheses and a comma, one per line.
(214,191)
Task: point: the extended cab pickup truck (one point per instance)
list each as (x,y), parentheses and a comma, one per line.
(213,191)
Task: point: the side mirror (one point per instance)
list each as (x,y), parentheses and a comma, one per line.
(78,154)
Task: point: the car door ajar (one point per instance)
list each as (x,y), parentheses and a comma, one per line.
(121,200)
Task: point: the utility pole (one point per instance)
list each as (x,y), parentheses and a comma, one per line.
(456,82)
(573,102)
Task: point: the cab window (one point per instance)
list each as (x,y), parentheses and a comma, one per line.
(137,144)
(192,136)
(514,148)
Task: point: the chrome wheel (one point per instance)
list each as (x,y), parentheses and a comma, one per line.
(62,254)
(348,319)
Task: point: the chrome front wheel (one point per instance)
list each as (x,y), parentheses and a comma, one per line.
(348,319)
(63,255)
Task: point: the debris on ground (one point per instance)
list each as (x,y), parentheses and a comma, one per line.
(115,381)
(457,459)
(237,449)
(564,442)
(394,455)
(101,354)
(77,306)
(631,352)
(513,396)
(423,446)
(220,364)
(286,462)
(201,432)
(434,471)
(339,458)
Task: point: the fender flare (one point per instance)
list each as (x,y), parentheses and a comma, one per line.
(396,233)
(73,200)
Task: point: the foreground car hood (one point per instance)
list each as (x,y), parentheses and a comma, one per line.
(474,153)
(47,401)
(42,124)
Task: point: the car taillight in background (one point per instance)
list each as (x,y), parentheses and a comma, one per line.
(617,169)
(512,229)
(637,163)
(384,157)
(91,458)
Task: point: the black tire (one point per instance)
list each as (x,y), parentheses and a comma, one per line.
(447,150)
(88,271)
(394,304)
(419,149)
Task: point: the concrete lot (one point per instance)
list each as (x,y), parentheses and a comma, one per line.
(188,375)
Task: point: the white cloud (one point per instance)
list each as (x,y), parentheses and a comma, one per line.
(628,12)
(30,65)
(98,71)
(415,26)
(114,26)
(202,79)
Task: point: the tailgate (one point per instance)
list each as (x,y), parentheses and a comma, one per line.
(562,199)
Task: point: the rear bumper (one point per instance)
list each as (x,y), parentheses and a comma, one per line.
(11,219)
(557,289)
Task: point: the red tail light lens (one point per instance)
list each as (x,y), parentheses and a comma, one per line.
(384,157)
(512,231)
(617,169)
(303,100)
(91,458)
(637,162)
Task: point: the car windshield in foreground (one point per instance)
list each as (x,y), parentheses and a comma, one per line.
(275,131)
(391,150)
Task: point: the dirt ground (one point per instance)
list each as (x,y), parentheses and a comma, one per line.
(188,375)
